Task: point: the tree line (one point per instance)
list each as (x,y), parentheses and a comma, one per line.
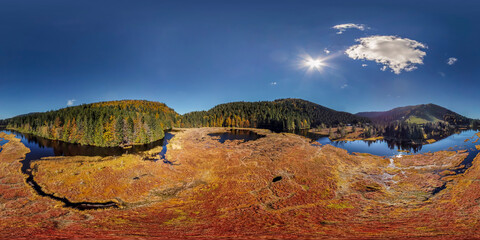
(278,115)
(404,131)
(103,124)
(138,122)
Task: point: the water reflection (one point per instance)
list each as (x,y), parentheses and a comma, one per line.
(2,141)
(237,134)
(42,147)
(392,148)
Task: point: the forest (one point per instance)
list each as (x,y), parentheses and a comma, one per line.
(409,131)
(419,114)
(278,115)
(399,131)
(104,124)
(127,122)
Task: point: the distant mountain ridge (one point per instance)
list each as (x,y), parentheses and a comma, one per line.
(418,114)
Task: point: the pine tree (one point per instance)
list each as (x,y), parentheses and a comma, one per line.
(98,136)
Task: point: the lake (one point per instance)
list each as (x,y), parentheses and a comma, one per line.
(389,148)
(42,147)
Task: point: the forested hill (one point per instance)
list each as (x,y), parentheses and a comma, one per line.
(101,124)
(282,114)
(418,114)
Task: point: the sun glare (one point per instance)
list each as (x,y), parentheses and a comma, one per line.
(313,64)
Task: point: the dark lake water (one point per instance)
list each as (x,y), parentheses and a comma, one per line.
(387,148)
(2,141)
(392,149)
(42,147)
(162,153)
(237,134)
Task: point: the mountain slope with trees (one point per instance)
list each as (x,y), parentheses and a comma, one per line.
(419,122)
(418,114)
(278,115)
(111,123)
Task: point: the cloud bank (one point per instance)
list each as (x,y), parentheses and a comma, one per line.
(343,27)
(451,61)
(398,54)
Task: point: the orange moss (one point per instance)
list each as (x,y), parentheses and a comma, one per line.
(279,186)
(23,213)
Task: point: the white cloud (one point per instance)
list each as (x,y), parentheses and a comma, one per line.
(273,83)
(451,61)
(441,74)
(399,54)
(326,51)
(71,102)
(344,86)
(364,65)
(343,27)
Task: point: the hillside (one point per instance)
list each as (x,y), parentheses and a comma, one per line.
(109,123)
(281,114)
(418,114)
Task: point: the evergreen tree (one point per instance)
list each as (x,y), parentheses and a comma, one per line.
(101,124)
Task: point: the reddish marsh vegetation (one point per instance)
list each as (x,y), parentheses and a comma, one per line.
(278,186)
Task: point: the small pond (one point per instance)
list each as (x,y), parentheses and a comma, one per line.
(237,134)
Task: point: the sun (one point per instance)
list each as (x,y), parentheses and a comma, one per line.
(313,64)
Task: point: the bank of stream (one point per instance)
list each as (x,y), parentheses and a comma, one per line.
(42,147)
(463,141)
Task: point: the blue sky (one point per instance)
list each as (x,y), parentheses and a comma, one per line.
(193,55)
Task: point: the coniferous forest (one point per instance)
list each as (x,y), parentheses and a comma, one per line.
(127,122)
(278,115)
(103,124)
